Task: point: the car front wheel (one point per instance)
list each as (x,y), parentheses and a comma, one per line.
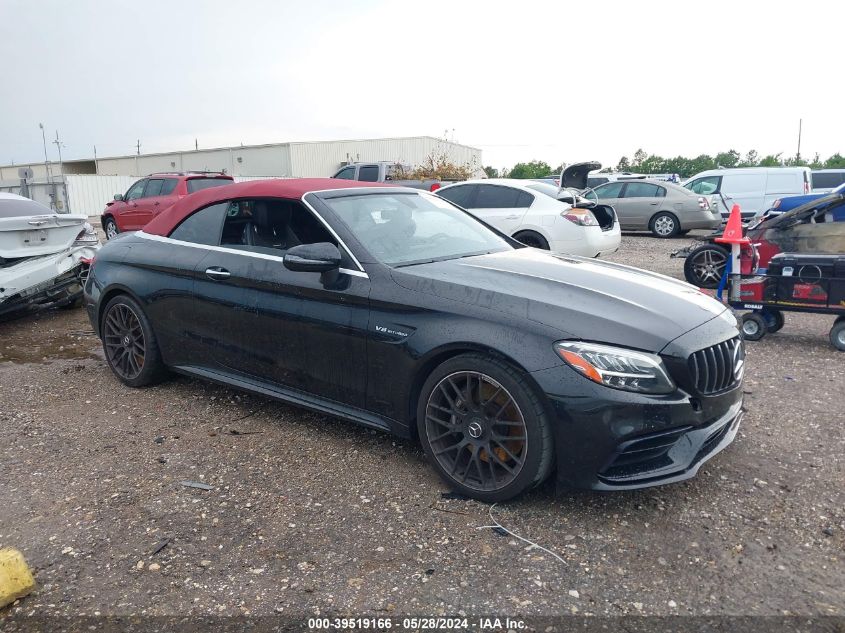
(129,343)
(484,428)
(110,227)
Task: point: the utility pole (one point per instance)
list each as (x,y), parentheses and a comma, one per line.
(46,159)
(798,155)
(96,167)
(196,145)
(58,145)
(138,147)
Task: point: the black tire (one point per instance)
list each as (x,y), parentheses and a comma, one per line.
(129,343)
(664,225)
(532,239)
(774,320)
(705,265)
(837,334)
(110,228)
(470,394)
(753,326)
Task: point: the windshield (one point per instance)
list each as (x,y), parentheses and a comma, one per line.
(830,208)
(401,229)
(198,184)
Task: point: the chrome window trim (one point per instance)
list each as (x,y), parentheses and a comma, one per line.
(238,251)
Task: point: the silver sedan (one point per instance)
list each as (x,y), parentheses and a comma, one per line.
(661,207)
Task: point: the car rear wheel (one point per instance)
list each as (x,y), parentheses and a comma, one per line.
(753,326)
(705,266)
(532,239)
(484,428)
(110,227)
(664,225)
(129,343)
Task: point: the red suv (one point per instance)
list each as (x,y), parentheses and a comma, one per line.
(151,195)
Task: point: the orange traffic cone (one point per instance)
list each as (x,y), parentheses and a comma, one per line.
(733,230)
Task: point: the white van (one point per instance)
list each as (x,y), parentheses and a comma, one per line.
(754,189)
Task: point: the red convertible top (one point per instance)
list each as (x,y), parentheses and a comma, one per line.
(290,188)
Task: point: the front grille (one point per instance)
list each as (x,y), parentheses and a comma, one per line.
(717,368)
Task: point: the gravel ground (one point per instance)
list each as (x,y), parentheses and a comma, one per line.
(311,515)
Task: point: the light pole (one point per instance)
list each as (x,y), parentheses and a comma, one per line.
(46,160)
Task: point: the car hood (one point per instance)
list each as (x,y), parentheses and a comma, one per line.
(583,298)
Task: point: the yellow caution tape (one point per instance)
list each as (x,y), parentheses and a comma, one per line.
(16,579)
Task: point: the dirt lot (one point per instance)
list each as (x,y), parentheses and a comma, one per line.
(312,515)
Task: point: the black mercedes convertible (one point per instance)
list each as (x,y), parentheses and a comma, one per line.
(397,310)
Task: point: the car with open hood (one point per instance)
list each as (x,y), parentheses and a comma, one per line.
(44,255)
(542,215)
(395,309)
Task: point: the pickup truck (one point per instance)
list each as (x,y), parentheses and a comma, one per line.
(385,171)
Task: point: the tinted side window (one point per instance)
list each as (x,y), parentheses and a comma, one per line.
(136,190)
(168,185)
(643,190)
(153,187)
(827,180)
(705,186)
(525,199)
(461,195)
(596,181)
(347,173)
(496,197)
(368,173)
(203,226)
(610,190)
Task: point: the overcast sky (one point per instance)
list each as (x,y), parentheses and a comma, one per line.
(521,80)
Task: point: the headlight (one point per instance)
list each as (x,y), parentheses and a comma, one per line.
(617,367)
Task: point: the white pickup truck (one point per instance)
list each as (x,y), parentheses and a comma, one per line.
(385,171)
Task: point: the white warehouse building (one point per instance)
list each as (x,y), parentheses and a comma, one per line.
(293,160)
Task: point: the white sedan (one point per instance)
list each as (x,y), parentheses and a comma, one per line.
(44,255)
(532,213)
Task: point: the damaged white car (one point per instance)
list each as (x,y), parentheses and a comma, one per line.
(44,256)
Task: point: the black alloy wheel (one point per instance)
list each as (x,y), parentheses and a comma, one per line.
(129,343)
(488,440)
(705,266)
(123,339)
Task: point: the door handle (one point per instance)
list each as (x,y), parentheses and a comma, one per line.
(511,217)
(654,204)
(156,203)
(216,273)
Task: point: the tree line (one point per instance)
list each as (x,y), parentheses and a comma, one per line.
(643,163)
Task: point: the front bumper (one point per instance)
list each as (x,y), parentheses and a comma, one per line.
(607,439)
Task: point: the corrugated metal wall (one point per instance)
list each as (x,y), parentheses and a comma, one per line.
(323,159)
(89,194)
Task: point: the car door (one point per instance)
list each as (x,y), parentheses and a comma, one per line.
(130,214)
(611,193)
(639,202)
(501,206)
(166,197)
(147,206)
(276,326)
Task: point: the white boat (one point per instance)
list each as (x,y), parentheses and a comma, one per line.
(44,255)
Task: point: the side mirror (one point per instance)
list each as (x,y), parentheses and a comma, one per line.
(321,257)
(118,196)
